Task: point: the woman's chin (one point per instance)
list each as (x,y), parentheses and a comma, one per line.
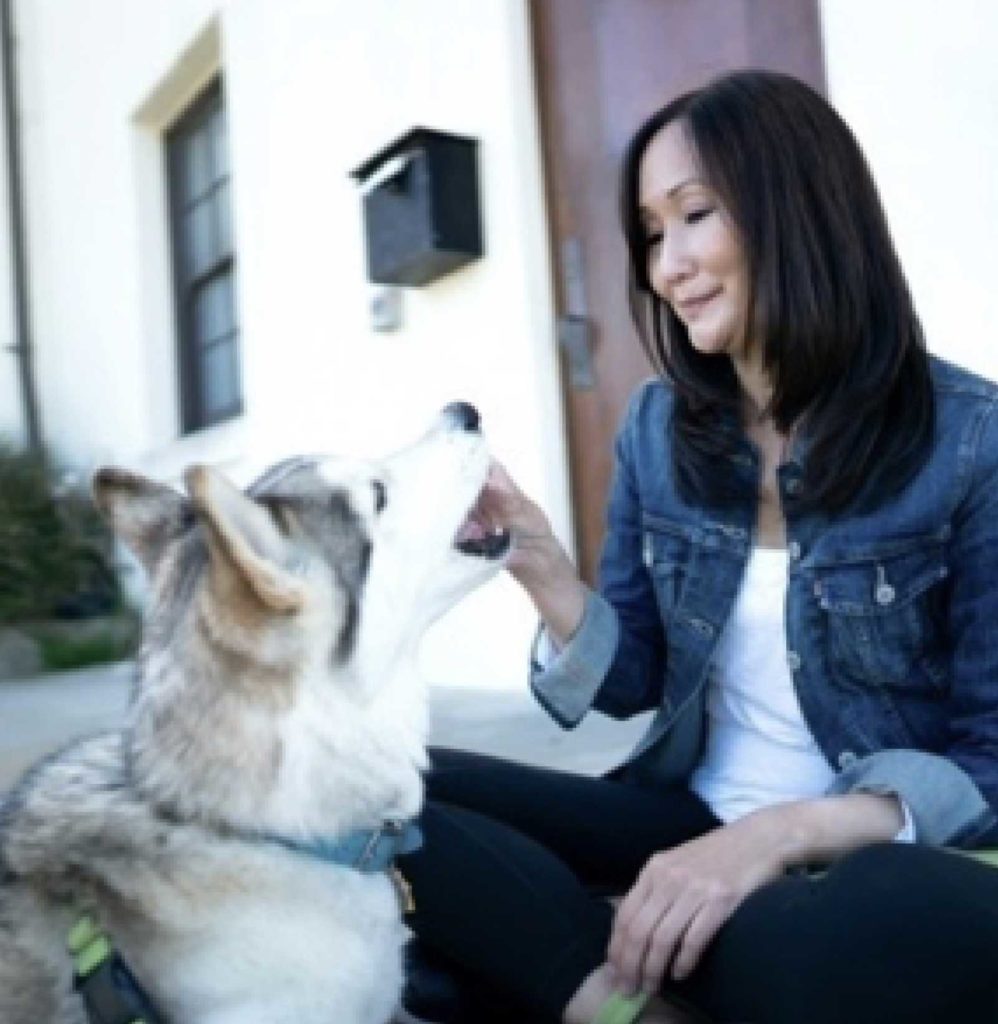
(710,344)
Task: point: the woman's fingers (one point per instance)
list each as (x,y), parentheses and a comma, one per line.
(667,938)
(623,928)
(697,937)
(502,502)
(664,937)
(629,944)
(638,932)
(504,506)
(499,478)
(536,559)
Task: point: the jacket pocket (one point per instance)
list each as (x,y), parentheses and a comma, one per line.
(667,551)
(881,616)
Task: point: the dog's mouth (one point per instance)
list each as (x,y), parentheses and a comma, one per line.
(475,537)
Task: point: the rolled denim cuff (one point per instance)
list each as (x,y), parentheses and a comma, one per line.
(945,804)
(567,685)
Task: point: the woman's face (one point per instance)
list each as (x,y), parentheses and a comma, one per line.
(695,259)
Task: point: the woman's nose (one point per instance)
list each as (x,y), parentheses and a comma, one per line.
(670,265)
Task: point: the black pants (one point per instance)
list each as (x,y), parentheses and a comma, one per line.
(508,890)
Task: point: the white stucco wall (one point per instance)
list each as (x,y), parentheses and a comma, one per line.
(313,88)
(12,427)
(918,82)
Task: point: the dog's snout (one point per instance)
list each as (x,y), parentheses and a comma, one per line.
(464,416)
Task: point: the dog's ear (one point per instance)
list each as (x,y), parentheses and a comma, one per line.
(145,514)
(243,538)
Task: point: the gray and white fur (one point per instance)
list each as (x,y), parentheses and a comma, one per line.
(276,693)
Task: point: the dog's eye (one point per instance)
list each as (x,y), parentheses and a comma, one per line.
(380,495)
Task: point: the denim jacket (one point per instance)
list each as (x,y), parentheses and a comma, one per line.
(891,616)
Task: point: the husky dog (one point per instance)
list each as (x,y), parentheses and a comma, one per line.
(277,705)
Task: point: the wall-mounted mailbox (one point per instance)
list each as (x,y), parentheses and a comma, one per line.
(421,210)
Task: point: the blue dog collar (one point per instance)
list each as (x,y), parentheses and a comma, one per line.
(368,850)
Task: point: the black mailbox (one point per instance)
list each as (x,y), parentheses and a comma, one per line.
(421,209)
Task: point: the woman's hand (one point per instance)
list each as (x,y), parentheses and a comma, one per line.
(684,895)
(535,547)
(537,560)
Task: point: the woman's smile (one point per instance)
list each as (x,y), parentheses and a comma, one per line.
(691,308)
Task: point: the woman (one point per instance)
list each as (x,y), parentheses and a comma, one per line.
(800,576)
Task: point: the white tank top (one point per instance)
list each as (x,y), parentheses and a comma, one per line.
(759,750)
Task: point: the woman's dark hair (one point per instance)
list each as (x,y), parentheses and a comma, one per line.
(828,298)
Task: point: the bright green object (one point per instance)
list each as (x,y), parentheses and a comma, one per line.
(89,946)
(984,856)
(91,950)
(620,1009)
(81,934)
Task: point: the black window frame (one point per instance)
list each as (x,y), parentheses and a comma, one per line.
(189,284)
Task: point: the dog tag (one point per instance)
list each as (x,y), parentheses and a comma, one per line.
(404,891)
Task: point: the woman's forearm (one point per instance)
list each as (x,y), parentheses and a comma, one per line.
(560,599)
(826,828)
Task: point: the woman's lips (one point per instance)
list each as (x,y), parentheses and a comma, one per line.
(691,308)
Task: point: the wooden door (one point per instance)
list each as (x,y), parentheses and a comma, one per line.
(601,67)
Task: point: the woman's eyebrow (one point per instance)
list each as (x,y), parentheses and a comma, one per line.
(675,190)
(683,184)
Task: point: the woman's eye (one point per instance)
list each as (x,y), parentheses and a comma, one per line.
(380,495)
(653,239)
(695,216)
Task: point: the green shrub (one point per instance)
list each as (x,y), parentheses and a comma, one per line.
(115,640)
(55,550)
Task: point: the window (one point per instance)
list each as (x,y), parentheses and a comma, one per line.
(203,263)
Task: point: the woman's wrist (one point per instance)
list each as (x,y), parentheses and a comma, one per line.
(553,585)
(539,564)
(826,828)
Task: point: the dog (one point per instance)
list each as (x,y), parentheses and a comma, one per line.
(277,712)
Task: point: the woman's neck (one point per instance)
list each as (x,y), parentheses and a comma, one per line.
(754,383)
(772,444)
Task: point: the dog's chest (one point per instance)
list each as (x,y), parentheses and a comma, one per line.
(295,940)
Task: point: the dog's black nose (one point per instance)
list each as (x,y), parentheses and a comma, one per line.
(464,416)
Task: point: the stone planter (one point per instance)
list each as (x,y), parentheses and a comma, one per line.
(56,645)
(20,654)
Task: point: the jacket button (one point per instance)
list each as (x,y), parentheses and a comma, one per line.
(793,661)
(793,486)
(847,759)
(793,550)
